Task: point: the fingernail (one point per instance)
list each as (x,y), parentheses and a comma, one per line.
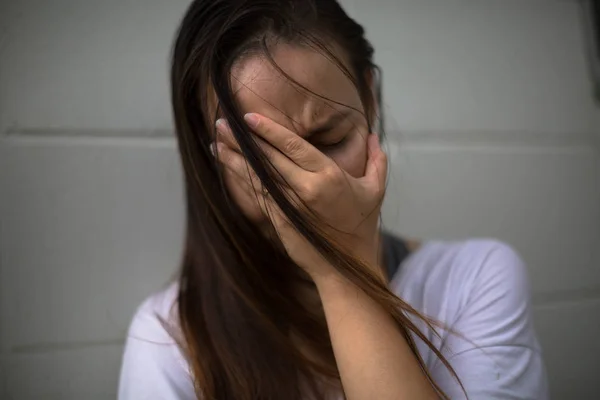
(251,119)
(213,148)
(221,124)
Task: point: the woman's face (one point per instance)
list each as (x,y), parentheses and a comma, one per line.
(339,131)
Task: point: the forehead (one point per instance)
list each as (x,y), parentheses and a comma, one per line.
(260,87)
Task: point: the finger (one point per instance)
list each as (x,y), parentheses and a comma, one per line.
(237,164)
(291,173)
(240,186)
(289,143)
(244,187)
(225,135)
(376,170)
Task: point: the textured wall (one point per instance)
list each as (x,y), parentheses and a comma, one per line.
(492,128)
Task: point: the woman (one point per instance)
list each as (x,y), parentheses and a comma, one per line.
(288,288)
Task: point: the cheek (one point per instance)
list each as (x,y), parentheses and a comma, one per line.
(353,157)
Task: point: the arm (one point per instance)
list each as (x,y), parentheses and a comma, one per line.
(373,357)
(374,360)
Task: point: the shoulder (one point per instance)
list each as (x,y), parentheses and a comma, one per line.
(479,289)
(153,366)
(443,267)
(456,281)
(465,254)
(156,317)
(459,279)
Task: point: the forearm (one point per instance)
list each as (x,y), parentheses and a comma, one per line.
(373,358)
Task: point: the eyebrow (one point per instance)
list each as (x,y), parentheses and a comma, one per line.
(330,124)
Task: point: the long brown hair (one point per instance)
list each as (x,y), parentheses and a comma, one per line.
(236,309)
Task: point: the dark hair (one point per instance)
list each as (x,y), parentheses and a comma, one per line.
(236,312)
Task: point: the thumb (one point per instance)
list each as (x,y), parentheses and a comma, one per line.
(376,169)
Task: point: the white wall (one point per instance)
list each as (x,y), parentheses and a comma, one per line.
(498,129)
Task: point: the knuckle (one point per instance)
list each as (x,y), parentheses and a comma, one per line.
(332,176)
(292,147)
(310,192)
(269,153)
(329,179)
(331,173)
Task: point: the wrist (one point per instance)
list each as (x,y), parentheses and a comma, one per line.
(330,277)
(333,285)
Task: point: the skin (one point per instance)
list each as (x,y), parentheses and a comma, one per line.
(261,89)
(373,358)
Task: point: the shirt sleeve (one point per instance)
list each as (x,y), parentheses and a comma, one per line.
(495,351)
(153,367)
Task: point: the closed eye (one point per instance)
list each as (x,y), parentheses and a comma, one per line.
(331,124)
(336,142)
(332,144)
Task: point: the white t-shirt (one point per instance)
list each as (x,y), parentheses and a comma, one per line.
(478,288)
